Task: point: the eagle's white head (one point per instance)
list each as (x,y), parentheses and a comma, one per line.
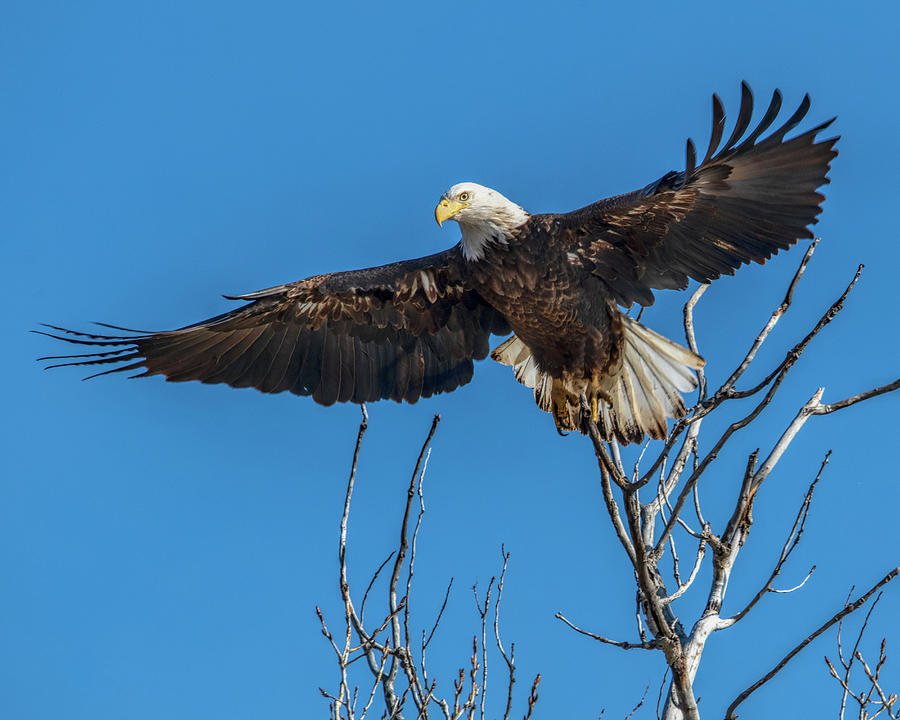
(484,216)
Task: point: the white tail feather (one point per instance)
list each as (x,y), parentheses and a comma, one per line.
(644,392)
(516,353)
(647,389)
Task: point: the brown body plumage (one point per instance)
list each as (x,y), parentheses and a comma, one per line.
(412,329)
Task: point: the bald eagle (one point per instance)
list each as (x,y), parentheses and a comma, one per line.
(412,329)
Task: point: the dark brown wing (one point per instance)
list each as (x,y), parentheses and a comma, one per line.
(745,201)
(401,331)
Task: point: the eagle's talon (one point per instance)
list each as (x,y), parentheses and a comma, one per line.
(559,419)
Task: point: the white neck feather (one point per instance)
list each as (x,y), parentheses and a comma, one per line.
(478,234)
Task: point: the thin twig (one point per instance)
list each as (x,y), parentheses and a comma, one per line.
(418,695)
(439,615)
(683,588)
(533,696)
(773,320)
(847,402)
(662,686)
(510,658)
(652,645)
(638,706)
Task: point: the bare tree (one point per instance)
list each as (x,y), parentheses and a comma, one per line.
(649,508)
(647,530)
(396,661)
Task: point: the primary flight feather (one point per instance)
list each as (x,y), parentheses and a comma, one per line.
(412,329)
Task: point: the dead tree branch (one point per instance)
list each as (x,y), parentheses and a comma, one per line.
(394,669)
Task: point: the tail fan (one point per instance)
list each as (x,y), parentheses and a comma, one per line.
(647,389)
(632,403)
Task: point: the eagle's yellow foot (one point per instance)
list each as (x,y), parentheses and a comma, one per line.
(595,408)
(561,418)
(559,398)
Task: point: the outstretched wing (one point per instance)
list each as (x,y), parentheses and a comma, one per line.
(745,201)
(400,331)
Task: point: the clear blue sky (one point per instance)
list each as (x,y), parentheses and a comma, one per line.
(162,546)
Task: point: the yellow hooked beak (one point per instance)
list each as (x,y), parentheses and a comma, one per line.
(447,209)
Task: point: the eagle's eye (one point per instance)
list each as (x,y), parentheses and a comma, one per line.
(464,196)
